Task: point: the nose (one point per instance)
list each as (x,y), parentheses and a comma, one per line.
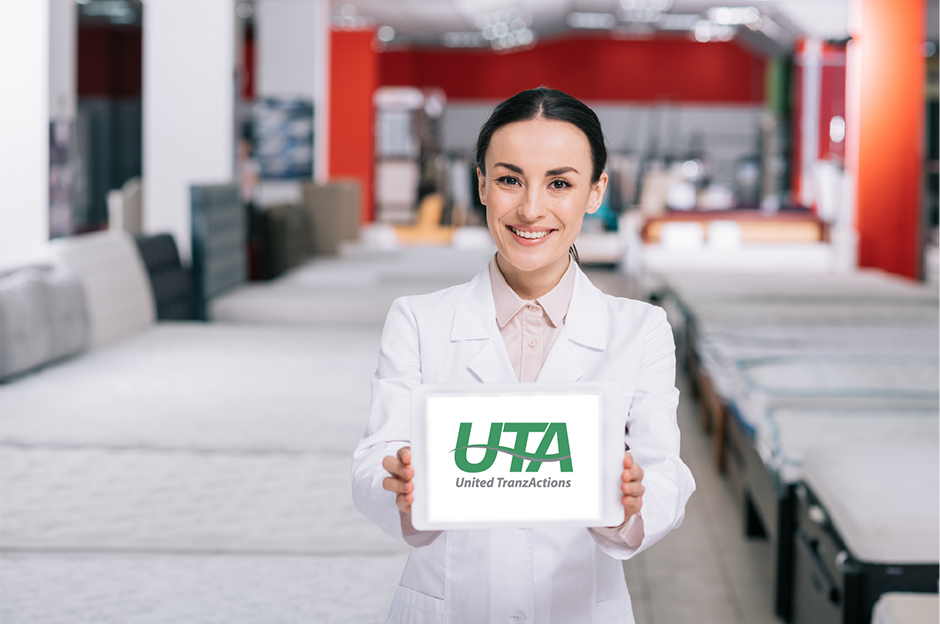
(531,206)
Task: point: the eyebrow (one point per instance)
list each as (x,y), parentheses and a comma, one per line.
(550,172)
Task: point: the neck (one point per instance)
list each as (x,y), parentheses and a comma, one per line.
(530,285)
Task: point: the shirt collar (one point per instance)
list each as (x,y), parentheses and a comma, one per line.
(555,302)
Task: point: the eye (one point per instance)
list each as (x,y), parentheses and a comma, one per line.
(508,181)
(559,185)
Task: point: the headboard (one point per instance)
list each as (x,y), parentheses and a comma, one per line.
(220,236)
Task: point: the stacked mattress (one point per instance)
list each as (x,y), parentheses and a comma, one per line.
(801,362)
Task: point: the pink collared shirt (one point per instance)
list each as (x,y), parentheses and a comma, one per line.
(529,329)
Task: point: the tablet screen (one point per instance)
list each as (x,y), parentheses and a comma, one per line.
(515,459)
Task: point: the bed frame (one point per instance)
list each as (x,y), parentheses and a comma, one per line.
(831,586)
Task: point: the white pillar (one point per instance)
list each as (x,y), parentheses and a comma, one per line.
(188,108)
(292,40)
(24,131)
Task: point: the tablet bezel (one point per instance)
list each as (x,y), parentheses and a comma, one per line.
(611,447)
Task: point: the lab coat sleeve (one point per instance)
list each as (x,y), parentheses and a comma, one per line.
(389,427)
(653,438)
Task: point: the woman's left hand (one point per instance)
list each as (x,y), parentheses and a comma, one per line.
(632,487)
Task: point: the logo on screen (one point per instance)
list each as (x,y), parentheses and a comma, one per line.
(549,432)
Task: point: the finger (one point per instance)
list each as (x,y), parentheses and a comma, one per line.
(404,455)
(636,473)
(397,469)
(403,501)
(393,484)
(631,505)
(634,489)
(628,460)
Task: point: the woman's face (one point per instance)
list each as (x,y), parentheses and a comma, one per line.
(537,188)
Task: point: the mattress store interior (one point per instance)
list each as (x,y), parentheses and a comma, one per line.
(210,207)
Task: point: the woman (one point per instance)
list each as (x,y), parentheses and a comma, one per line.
(531,315)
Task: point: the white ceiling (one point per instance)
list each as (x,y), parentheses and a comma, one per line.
(427,20)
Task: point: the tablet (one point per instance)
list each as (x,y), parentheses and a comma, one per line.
(517,455)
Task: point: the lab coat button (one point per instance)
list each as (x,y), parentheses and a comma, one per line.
(532,343)
(519,618)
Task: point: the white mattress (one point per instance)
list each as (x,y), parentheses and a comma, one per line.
(720,349)
(785,434)
(865,284)
(203,386)
(834,382)
(906,608)
(883,498)
(355,288)
(192,438)
(144,588)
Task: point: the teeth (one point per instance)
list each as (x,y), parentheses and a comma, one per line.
(529,234)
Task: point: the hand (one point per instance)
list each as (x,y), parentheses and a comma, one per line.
(400,481)
(632,487)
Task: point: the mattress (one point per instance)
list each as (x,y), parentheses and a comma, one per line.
(720,349)
(358,287)
(786,434)
(833,381)
(906,608)
(232,589)
(882,498)
(199,386)
(191,438)
(866,284)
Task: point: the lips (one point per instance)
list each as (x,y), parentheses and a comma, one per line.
(530,234)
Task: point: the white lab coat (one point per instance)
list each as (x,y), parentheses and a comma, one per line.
(547,576)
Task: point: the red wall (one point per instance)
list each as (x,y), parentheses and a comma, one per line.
(590,68)
(890,105)
(109,61)
(353,80)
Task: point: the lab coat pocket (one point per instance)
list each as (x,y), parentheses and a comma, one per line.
(413,607)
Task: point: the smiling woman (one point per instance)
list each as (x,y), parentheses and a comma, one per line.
(530,316)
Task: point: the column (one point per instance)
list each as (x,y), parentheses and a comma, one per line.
(885,75)
(24,131)
(188,108)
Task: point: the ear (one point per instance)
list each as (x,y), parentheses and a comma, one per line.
(596,197)
(481,186)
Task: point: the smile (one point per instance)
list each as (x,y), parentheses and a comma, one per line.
(530,235)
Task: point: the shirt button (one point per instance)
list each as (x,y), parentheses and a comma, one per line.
(532,343)
(519,618)
(531,308)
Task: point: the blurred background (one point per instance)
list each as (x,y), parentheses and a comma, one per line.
(209,205)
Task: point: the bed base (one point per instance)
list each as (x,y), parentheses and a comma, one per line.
(830,585)
(768,506)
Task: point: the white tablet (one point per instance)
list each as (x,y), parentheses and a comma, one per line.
(517,455)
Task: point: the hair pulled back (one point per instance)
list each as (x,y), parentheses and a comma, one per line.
(546,103)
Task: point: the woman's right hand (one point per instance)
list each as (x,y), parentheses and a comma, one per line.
(399,467)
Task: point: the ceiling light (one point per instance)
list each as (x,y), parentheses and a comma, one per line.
(707,30)
(733,16)
(598,21)
(679,21)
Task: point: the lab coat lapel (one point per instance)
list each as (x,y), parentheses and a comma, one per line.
(583,335)
(475,319)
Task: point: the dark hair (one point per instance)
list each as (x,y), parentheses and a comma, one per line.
(547,104)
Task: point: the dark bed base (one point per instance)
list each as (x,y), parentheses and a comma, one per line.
(767,507)
(830,585)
